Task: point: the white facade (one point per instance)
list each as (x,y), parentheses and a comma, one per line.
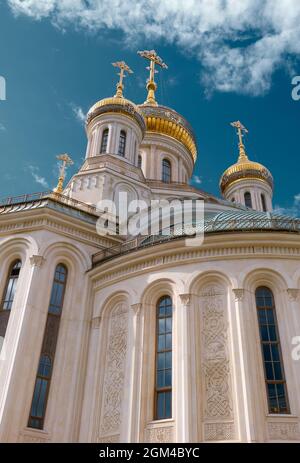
(102,387)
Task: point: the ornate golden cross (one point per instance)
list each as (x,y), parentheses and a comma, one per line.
(154,59)
(123,68)
(65,162)
(240,129)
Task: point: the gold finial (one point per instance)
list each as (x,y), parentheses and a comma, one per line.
(240,129)
(154,59)
(66,161)
(123,68)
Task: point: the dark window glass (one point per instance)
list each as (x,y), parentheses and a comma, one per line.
(43,378)
(166,171)
(263,203)
(248,199)
(122,143)
(139,161)
(104,141)
(9,295)
(271,351)
(163,385)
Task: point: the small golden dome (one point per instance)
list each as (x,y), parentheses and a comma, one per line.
(116,105)
(164,120)
(243,169)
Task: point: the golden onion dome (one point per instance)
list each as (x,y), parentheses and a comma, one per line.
(245,169)
(166,121)
(116,105)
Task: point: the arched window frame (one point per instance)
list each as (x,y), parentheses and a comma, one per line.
(274,373)
(163,358)
(104,141)
(263,202)
(122,143)
(9,293)
(166,174)
(42,383)
(248,199)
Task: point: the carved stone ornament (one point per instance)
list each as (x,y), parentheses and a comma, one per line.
(238,294)
(186,299)
(137,308)
(159,434)
(96,322)
(293,293)
(283,431)
(114,374)
(37,261)
(217,400)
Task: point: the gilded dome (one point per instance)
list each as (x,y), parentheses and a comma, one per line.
(164,120)
(116,105)
(243,169)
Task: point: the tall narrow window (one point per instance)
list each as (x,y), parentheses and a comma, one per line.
(263,203)
(248,199)
(166,171)
(104,141)
(44,373)
(163,380)
(139,161)
(122,143)
(271,351)
(9,295)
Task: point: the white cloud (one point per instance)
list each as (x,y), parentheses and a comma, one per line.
(196,179)
(34,170)
(2,128)
(79,113)
(238,43)
(293,210)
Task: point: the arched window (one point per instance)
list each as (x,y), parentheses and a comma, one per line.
(163,377)
(248,199)
(122,143)
(139,161)
(166,171)
(44,373)
(263,203)
(9,295)
(271,351)
(104,141)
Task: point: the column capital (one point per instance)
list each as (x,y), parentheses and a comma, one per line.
(137,308)
(37,261)
(186,299)
(293,293)
(96,322)
(238,293)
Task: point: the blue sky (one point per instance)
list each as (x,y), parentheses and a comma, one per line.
(56,59)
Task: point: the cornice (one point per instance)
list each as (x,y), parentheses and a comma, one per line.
(169,254)
(50,220)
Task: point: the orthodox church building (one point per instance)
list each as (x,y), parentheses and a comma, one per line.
(112,338)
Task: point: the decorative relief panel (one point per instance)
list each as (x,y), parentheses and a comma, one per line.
(114,375)
(219,431)
(284,431)
(28,438)
(216,376)
(158,434)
